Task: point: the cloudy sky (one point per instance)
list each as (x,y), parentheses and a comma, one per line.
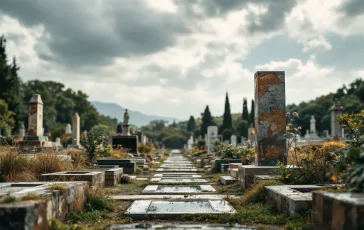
(173,57)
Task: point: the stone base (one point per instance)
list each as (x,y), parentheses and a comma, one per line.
(127,165)
(260,178)
(290,199)
(217,165)
(338,211)
(226,180)
(247,173)
(127,142)
(234,172)
(95,179)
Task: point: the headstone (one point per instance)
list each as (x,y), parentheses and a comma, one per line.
(58,140)
(76,131)
(313,125)
(243,140)
(126,126)
(211,138)
(22,131)
(125,139)
(336,111)
(144,140)
(68,129)
(270,118)
(35,121)
(233,140)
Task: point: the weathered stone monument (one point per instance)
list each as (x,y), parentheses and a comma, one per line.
(270,118)
(123,137)
(233,140)
(68,129)
(336,111)
(35,136)
(22,131)
(75,131)
(211,138)
(270,127)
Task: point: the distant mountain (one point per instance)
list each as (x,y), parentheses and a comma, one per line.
(136,118)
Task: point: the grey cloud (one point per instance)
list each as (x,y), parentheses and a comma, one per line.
(353,7)
(81,35)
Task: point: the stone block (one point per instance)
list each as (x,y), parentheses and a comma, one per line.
(247,173)
(270,117)
(127,142)
(226,180)
(217,166)
(95,178)
(338,211)
(260,178)
(290,199)
(113,176)
(234,172)
(127,165)
(234,165)
(224,168)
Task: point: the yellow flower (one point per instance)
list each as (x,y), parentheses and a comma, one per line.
(288,175)
(334,178)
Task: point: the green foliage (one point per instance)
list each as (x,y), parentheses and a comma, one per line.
(91,144)
(354,155)
(252,114)
(9,199)
(56,225)
(256,195)
(138,170)
(351,97)
(245,114)
(125,179)
(207,121)
(31,196)
(6,119)
(241,127)
(230,152)
(201,143)
(228,120)
(226,134)
(104,131)
(191,124)
(5,130)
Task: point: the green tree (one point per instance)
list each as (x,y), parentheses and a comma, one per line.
(207,121)
(252,114)
(102,130)
(242,128)
(226,134)
(191,124)
(245,114)
(6,116)
(227,119)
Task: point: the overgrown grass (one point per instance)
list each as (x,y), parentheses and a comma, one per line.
(8,199)
(31,196)
(60,187)
(234,189)
(134,187)
(256,195)
(56,225)
(18,168)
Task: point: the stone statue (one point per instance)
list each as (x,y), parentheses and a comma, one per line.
(126,117)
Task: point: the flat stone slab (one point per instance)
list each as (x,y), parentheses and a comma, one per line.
(178,180)
(95,178)
(291,198)
(171,226)
(142,179)
(227,180)
(178,189)
(179,170)
(180,175)
(174,196)
(175,208)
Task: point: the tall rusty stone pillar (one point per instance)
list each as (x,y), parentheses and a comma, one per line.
(270,118)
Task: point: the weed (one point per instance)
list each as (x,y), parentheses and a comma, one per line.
(256,195)
(60,187)
(31,196)
(9,199)
(56,225)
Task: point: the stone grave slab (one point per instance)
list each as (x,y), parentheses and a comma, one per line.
(291,198)
(178,189)
(140,209)
(171,226)
(71,197)
(127,165)
(95,179)
(182,175)
(178,180)
(226,180)
(179,170)
(338,211)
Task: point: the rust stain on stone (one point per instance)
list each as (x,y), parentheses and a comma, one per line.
(273,153)
(263,82)
(277,121)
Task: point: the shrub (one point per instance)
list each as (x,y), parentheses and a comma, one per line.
(333,146)
(48,163)
(11,163)
(91,144)
(56,225)
(256,195)
(98,200)
(138,170)
(125,179)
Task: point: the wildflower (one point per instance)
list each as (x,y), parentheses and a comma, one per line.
(288,114)
(288,175)
(295,114)
(299,127)
(334,178)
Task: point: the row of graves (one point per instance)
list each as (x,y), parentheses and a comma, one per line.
(330,210)
(62,193)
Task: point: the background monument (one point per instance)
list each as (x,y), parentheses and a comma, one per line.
(123,138)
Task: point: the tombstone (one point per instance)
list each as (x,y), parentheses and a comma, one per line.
(336,111)
(35,137)
(144,140)
(123,137)
(326,134)
(226,142)
(68,129)
(58,140)
(22,131)
(270,118)
(75,131)
(233,140)
(184,146)
(211,138)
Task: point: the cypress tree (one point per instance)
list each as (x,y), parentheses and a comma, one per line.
(191,124)
(252,114)
(207,121)
(245,115)
(228,121)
